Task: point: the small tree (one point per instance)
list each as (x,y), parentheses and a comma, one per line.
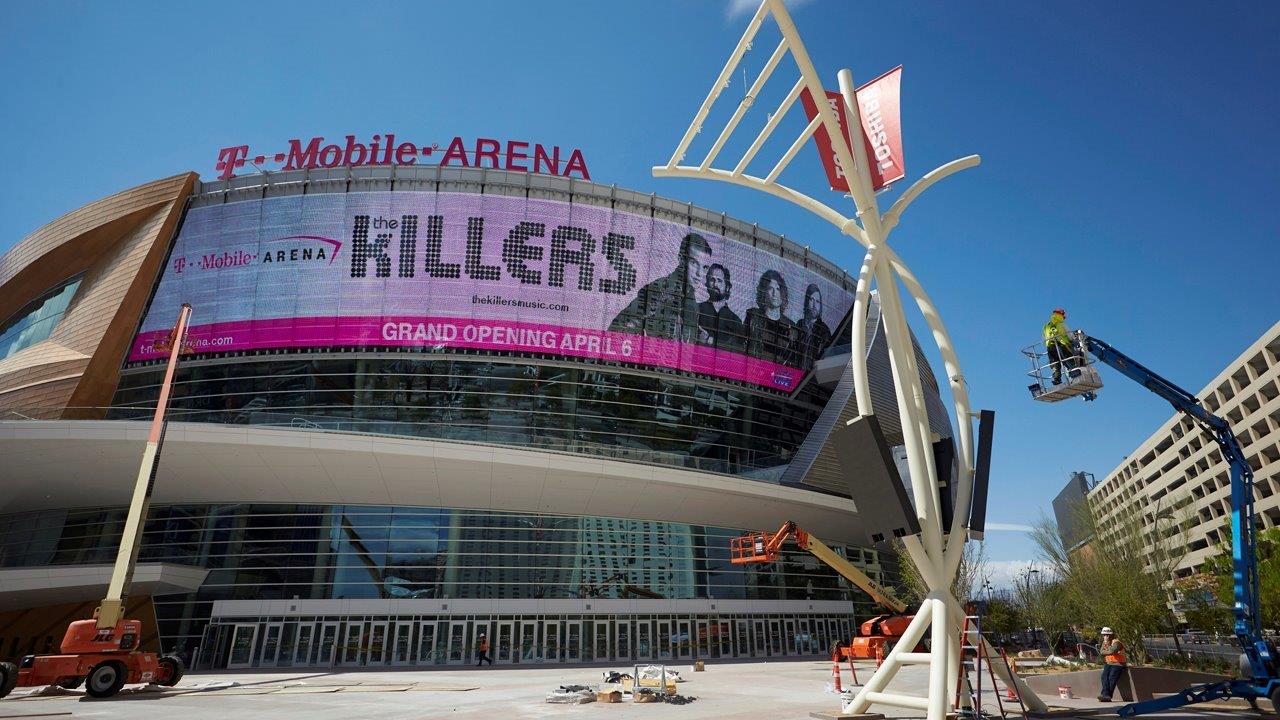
(1002,616)
(1107,581)
(1217,578)
(1043,602)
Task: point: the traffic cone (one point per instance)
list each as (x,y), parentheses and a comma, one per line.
(835,675)
(879,655)
(1009,691)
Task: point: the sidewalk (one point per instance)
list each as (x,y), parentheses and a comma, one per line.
(785,690)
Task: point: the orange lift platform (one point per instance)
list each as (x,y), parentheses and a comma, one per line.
(876,636)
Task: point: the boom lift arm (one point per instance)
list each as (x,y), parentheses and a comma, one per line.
(1259,656)
(111,610)
(765,547)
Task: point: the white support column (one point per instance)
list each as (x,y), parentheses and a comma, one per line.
(936,551)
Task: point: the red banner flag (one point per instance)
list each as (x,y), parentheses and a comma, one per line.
(879,105)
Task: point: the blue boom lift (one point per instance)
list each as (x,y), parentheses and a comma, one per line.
(1258,666)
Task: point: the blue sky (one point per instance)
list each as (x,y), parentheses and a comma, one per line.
(1129,151)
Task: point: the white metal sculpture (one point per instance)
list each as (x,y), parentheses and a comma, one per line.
(936,551)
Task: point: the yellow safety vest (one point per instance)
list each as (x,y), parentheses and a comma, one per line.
(1056,332)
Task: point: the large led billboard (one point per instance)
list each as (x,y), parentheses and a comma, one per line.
(490,272)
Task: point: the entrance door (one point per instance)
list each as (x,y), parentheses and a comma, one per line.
(743,648)
(302,650)
(288,643)
(644,640)
(503,646)
(760,641)
(551,642)
(623,646)
(427,643)
(790,637)
(270,645)
(775,637)
(686,640)
(573,641)
(703,639)
(243,639)
(601,649)
(351,647)
(377,652)
(528,643)
(402,646)
(457,643)
(326,649)
(664,639)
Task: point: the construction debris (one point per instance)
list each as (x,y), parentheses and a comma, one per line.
(608,696)
(572,695)
(653,672)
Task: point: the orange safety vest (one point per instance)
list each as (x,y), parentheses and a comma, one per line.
(1118,656)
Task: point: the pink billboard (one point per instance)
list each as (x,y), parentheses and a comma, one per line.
(490,272)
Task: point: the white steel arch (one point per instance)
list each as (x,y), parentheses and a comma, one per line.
(936,551)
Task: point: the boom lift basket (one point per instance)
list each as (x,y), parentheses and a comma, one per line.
(1076,373)
(752,548)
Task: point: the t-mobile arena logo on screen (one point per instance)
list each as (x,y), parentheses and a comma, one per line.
(280,251)
(513,155)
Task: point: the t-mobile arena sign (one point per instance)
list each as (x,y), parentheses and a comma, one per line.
(512,155)
(489,272)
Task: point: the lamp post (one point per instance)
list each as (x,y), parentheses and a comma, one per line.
(936,551)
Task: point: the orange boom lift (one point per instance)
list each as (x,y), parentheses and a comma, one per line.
(877,636)
(102,652)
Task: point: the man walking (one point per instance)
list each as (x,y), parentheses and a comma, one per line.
(1115,659)
(482,651)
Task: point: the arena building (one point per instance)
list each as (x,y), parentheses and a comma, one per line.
(425,403)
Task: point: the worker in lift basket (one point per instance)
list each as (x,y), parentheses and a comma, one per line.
(1058,342)
(1115,659)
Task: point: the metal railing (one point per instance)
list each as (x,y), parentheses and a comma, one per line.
(1194,645)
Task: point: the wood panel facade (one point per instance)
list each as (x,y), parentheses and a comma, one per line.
(119,244)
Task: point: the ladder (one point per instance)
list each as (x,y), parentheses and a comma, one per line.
(964,689)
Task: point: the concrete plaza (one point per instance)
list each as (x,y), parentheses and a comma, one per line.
(759,690)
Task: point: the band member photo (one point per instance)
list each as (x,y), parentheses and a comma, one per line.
(771,335)
(668,307)
(717,324)
(814,333)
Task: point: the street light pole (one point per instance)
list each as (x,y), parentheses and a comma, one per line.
(936,550)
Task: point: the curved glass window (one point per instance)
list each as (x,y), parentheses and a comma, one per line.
(597,411)
(34,322)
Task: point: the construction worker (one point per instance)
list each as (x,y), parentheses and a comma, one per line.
(1058,343)
(482,650)
(1115,659)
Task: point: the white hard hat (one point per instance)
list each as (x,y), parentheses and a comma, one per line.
(1107,631)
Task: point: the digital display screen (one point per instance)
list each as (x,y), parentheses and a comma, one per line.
(490,272)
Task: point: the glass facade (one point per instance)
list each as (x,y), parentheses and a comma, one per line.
(580,408)
(365,552)
(34,322)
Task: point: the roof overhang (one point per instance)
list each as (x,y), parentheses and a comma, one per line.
(62,464)
(27,587)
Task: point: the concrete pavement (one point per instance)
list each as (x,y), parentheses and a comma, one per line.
(758,690)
